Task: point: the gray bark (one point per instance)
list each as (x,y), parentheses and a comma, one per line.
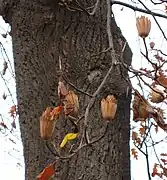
(41,32)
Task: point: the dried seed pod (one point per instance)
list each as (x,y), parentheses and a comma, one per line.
(156,96)
(47,121)
(143,26)
(140,108)
(109,107)
(71,104)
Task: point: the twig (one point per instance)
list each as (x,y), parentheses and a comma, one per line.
(7,88)
(147,161)
(156,3)
(138,9)
(157,155)
(72,85)
(146,135)
(159,51)
(145,45)
(3,48)
(50,149)
(103,51)
(149,60)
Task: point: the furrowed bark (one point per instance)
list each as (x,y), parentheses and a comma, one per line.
(41,33)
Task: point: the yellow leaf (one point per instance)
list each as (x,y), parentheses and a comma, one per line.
(68,137)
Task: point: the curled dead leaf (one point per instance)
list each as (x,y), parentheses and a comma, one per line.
(155,171)
(142,131)
(109,107)
(55,112)
(47,173)
(143,25)
(68,137)
(134,153)
(156,96)
(134,135)
(13,111)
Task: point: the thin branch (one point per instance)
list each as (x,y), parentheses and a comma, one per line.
(146,135)
(4,50)
(159,51)
(138,9)
(157,3)
(7,88)
(156,153)
(103,51)
(72,85)
(147,161)
(145,45)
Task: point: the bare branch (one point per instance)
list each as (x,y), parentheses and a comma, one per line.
(138,9)
(72,85)
(156,3)
(147,161)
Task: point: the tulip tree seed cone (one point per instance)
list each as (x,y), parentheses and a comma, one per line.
(47,125)
(140,108)
(143,25)
(71,104)
(109,107)
(156,96)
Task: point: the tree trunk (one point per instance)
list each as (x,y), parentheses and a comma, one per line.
(43,31)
